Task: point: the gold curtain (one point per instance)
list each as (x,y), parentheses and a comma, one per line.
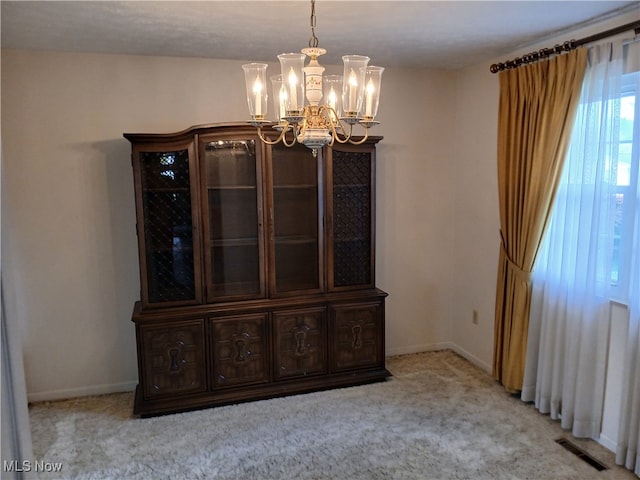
(538,104)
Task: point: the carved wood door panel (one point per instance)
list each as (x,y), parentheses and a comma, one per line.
(357,336)
(240,352)
(173,359)
(301,342)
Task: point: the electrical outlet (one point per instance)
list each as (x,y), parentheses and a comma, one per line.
(475,317)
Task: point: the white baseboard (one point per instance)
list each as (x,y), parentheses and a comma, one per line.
(428,347)
(81,391)
(608,443)
(472,358)
(431,347)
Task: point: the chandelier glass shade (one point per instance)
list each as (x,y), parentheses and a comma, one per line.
(316,109)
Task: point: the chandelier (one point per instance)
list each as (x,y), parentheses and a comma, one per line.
(318,110)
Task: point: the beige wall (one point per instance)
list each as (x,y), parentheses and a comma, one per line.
(414,207)
(68,233)
(477,223)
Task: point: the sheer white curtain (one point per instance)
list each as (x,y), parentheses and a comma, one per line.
(14,417)
(16,430)
(570,309)
(572,280)
(628,450)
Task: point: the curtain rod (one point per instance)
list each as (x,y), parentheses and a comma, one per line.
(565,47)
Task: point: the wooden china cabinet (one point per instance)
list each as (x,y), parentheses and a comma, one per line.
(256,268)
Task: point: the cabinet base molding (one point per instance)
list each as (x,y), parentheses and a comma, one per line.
(146,409)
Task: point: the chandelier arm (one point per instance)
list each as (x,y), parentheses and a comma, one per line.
(330,113)
(347,137)
(293,142)
(334,133)
(273,142)
(284,138)
(360,142)
(341,140)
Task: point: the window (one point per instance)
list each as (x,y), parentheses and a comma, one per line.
(626,174)
(587,250)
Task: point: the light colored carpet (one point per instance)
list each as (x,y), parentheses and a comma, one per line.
(438,417)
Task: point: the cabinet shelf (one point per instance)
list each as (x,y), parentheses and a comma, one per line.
(296,187)
(231,187)
(295,239)
(234,242)
(235,288)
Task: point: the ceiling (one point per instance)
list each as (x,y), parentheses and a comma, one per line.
(424,34)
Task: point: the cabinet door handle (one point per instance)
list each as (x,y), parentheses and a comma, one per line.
(356,330)
(300,337)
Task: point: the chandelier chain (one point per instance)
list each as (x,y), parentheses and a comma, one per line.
(313,41)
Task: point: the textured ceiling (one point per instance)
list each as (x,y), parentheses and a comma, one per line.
(432,34)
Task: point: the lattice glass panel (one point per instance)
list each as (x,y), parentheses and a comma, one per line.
(168,226)
(352,218)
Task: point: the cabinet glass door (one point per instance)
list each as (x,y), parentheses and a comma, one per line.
(294,211)
(233,219)
(169,257)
